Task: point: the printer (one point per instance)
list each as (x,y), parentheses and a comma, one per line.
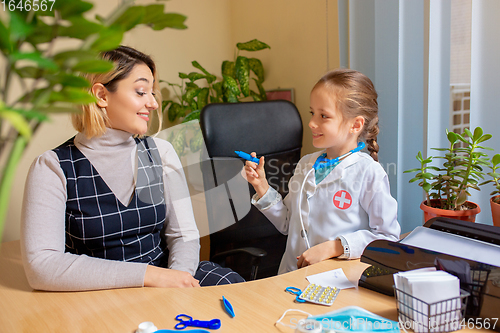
(442,240)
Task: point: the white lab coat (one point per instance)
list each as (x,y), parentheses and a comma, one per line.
(353,202)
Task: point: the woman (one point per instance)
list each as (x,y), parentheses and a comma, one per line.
(110,208)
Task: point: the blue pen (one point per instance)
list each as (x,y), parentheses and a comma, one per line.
(246,156)
(228,307)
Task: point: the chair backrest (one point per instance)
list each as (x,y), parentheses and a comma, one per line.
(271,128)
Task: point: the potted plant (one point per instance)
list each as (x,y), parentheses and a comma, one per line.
(495,200)
(232,87)
(199,88)
(47,79)
(447,187)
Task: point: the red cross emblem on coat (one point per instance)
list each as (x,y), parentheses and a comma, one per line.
(342,199)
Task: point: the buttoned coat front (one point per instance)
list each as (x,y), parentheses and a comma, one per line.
(353,202)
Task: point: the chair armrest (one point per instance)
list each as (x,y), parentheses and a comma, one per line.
(253,251)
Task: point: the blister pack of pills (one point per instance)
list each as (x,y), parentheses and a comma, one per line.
(320,295)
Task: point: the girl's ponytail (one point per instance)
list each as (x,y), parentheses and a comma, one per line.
(370,134)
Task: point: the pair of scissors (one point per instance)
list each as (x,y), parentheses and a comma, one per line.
(186,321)
(295,291)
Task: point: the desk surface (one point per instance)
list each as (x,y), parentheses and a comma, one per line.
(257,304)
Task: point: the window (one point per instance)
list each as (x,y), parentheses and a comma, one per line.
(460,65)
(459,107)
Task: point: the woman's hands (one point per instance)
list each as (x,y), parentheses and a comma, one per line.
(168,278)
(255,175)
(320,252)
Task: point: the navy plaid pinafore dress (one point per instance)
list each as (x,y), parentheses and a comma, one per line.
(98,224)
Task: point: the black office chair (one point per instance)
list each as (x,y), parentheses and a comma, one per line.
(241,237)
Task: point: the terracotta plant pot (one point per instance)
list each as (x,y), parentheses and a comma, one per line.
(464,215)
(495,210)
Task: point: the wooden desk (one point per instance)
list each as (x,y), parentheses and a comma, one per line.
(257,304)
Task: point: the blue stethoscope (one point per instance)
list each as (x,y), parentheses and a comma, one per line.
(323,162)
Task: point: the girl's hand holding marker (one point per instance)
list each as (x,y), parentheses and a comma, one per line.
(256,175)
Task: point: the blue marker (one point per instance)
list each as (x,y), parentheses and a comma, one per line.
(228,307)
(247,157)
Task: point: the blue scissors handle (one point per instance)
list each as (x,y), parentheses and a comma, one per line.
(190,331)
(295,291)
(186,321)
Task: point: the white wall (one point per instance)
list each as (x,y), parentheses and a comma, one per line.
(296,30)
(485,85)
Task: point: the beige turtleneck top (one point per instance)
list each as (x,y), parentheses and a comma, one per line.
(49,267)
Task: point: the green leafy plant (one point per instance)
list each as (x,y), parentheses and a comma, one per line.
(423,175)
(462,169)
(200,88)
(50,80)
(495,164)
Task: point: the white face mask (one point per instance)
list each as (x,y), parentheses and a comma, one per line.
(348,319)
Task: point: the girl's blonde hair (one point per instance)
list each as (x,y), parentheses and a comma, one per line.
(92,121)
(355,96)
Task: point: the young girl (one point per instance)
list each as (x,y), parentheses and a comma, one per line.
(110,208)
(339,199)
